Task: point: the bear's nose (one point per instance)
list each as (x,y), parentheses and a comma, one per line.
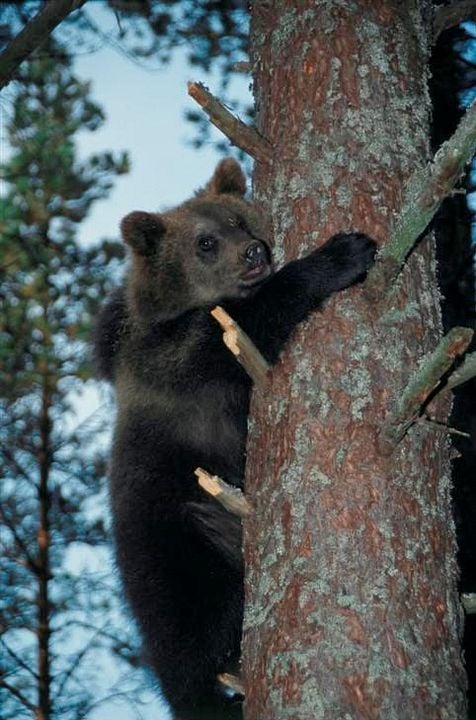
(255,254)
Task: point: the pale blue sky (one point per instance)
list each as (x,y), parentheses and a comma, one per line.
(145,116)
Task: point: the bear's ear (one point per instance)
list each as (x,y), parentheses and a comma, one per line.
(142,231)
(228,178)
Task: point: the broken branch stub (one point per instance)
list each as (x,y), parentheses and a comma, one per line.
(232,498)
(426,190)
(239,133)
(244,350)
(423,383)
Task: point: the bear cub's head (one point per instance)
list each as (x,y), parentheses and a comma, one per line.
(210,248)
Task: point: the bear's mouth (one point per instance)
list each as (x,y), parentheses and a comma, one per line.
(255,275)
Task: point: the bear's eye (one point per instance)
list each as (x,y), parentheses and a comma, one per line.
(206,242)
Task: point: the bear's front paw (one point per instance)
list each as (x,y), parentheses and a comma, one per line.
(352,255)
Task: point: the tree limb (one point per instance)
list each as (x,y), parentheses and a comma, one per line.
(19,661)
(10,524)
(244,350)
(239,134)
(423,383)
(233,682)
(465,372)
(446,17)
(75,663)
(427,189)
(230,497)
(33,35)
(19,695)
(241,67)
(438,425)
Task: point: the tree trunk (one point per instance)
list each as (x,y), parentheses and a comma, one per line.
(352,608)
(43,562)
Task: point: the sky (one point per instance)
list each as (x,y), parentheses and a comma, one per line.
(145,116)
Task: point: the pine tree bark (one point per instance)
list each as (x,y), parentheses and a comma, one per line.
(352,608)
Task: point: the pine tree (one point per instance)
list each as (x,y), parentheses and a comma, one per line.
(352,605)
(54,612)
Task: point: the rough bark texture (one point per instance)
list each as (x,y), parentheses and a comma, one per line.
(352,609)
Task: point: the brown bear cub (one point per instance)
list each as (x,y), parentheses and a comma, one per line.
(183,403)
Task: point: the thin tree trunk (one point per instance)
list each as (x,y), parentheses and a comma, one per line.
(352,608)
(44,670)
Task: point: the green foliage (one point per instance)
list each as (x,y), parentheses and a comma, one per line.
(212,35)
(52,474)
(50,286)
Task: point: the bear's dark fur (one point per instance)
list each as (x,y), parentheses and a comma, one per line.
(183,403)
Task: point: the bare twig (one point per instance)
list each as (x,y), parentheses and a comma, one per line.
(98,631)
(33,35)
(238,342)
(465,372)
(21,544)
(243,136)
(427,189)
(241,67)
(10,458)
(423,383)
(230,497)
(233,682)
(442,426)
(448,16)
(114,695)
(76,662)
(19,695)
(19,661)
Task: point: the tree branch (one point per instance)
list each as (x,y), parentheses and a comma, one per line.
(233,682)
(19,661)
(427,189)
(33,35)
(238,342)
(10,458)
(230,497)
(465,372)
(19,695)
(10,524)
(75,663)
(423,383)
(438,425)
(446,17)
(239,134)
(241,67)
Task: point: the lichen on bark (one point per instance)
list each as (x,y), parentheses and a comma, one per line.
(351,597)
